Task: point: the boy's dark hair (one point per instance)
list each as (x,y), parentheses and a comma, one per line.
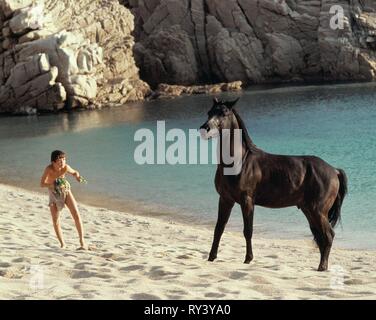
(56,155)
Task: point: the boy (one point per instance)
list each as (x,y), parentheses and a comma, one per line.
(60,194)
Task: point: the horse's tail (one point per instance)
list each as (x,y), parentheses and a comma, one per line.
(335,211)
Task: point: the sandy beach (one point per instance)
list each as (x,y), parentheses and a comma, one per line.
(136,257)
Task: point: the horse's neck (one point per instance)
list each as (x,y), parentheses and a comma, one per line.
(229,141)
(246,139)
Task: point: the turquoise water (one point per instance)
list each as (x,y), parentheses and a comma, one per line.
(334,122)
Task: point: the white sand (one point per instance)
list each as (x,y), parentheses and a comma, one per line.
(135,257)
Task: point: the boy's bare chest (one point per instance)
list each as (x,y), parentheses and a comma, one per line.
(54,174)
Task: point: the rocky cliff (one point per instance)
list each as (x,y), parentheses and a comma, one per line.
(255,41)
(57,53)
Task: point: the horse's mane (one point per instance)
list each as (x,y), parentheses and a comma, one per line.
(245,135)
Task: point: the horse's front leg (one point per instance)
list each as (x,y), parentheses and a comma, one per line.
(247,206)
(224,211)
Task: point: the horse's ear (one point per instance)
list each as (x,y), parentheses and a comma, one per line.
(230,104)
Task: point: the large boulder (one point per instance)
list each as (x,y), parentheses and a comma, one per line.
(57,53)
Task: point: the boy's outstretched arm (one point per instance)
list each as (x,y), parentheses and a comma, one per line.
(43,180)
(74,173)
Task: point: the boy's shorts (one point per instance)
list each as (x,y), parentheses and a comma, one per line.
(57,199)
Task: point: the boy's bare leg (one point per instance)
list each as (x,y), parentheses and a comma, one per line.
(56,222)
(72,206)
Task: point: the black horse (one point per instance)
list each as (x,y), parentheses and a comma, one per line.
(273,181)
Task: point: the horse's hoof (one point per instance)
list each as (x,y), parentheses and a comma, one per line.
(322,268)
(248,260)
(212,258)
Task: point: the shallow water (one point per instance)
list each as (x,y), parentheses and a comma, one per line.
(334,122)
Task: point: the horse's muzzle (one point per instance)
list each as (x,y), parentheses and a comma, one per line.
(207,132)
(204,130)
(205,127)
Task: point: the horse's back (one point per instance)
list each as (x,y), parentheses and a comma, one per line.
(290,180)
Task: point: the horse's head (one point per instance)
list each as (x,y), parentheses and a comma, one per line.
(219,117)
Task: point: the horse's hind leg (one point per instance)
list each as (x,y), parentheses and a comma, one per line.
(323,234)
(224,211)
(326,235)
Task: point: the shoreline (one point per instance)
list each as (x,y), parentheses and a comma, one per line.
(166,214)
(136,257)
(247,89)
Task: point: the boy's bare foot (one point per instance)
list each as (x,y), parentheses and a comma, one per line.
(84,247)
(63,246)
